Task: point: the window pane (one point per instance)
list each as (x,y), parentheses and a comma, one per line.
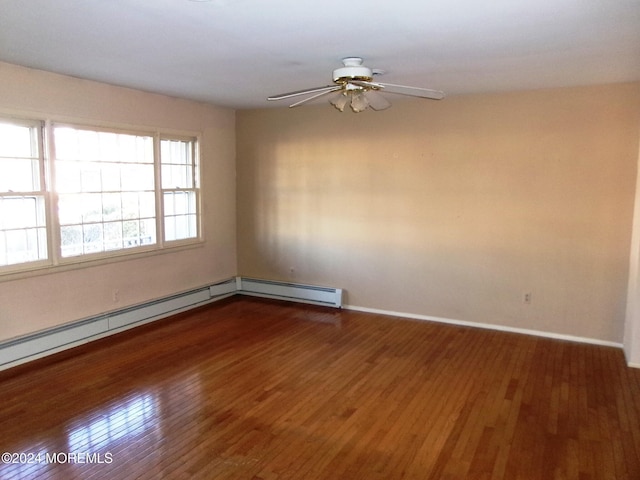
(71,240)
(177,176)
(90,178)
(69,209)
(130,205)
(22,230)
(66,144)
(18,141)
(19,158)
(22,246)
(42,243)
(108,181)
(21,212)
(111,173)
(91,207)
(68,177)
(148,231)
(180,215)
(113,236)
(178,163)
(19,175)
(169,229)
(147,204)
(192,225)
(111,206)
(131,230)
(180,227)
(137,177)
(92,238)
(179,202)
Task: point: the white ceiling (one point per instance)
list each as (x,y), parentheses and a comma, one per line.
(237,52)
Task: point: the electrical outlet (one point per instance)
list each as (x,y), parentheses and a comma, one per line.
(115,295)
(526,298)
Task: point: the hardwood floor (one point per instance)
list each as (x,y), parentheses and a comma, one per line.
(261,390)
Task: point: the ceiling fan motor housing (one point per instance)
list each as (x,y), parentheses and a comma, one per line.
(352,70)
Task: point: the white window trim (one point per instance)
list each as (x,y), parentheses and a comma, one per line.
(197,187)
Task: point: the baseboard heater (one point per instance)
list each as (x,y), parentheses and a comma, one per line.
(31,347)
(317,295)
(40,344)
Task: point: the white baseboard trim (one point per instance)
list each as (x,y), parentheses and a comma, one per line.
(487,326)
(633,364)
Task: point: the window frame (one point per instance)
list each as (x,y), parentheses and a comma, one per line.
(43,191)
(47,157)
(196,188)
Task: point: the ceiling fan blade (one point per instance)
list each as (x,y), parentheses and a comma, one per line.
(313,97)
(412,91)
(326,88)
(377,101)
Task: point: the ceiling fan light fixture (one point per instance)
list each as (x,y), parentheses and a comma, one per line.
(340,101)
(359,102)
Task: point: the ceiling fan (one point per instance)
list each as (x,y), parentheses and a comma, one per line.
(353,85)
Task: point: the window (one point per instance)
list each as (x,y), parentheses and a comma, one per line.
(111,192)
(179,188)
(105,187)
(23,225)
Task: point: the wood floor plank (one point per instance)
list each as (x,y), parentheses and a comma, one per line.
(262,390)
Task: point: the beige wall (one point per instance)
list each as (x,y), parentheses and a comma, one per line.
(452,209)
(38,302)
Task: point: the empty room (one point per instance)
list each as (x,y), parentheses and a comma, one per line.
(301,240)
